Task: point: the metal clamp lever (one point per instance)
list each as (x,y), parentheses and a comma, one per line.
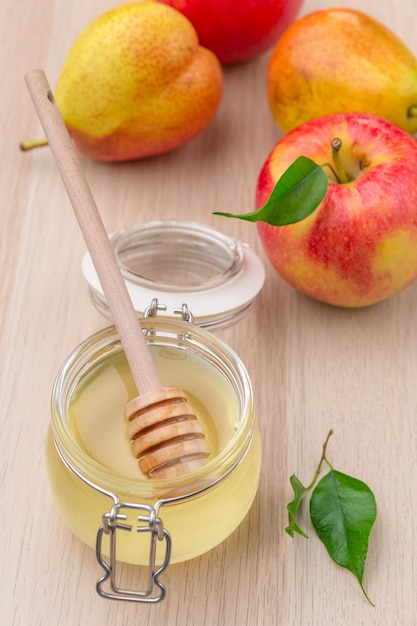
(148,523)
(152,310)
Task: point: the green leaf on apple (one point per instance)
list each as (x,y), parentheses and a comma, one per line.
(342,511)
(297,193)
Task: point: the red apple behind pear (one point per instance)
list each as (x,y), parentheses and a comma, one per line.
(238,30)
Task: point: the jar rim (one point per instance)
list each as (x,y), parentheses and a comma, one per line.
(164,254)
(106,342)
(179,262)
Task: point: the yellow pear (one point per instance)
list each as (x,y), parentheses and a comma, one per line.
(136,83)
(341,60)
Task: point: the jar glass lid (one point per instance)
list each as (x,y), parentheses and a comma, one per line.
(181,263)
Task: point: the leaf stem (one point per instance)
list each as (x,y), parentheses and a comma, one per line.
(322,459)
(331,168)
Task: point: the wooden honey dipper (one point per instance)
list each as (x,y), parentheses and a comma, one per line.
(165,433)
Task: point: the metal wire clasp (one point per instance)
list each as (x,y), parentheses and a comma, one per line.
(148,522)
(152,310)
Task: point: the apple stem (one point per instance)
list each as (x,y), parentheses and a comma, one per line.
(412,111)
(29,145)
(336,145)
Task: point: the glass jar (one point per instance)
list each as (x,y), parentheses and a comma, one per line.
(176,262)
(95,481)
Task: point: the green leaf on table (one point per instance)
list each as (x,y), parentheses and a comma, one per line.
(343,511)
(292,507)
(298,193)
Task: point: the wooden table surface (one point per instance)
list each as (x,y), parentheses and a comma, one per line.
(313,368)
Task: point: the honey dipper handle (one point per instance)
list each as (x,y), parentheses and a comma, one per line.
(95,235)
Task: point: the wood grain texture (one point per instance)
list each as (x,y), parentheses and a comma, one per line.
(312,367)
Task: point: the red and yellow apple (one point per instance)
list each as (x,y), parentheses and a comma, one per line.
(360,245)
(238,30)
